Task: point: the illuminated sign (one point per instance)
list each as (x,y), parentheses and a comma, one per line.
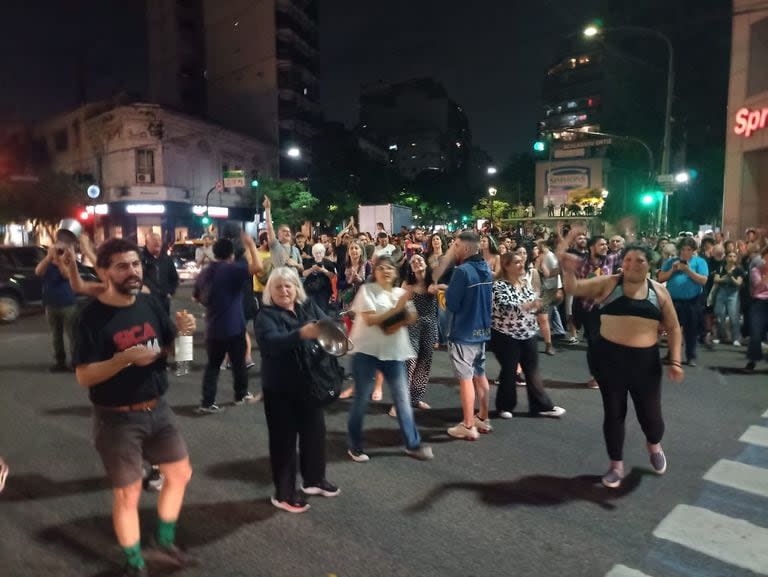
(568,178)
(213,211)
(97,209)
(750,121)
(145,208)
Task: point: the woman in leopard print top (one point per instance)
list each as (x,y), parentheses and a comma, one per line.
(513,340)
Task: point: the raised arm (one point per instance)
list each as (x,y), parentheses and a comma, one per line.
(267,204)
(255,266)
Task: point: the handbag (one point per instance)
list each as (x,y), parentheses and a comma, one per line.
(321,371)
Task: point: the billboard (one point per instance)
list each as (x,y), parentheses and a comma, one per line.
(557,180)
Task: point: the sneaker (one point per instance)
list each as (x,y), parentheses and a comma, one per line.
(483,426)
(249,399)
(153,481)
(691,362)
(505,414)
(750,366)
(715,341)
(592,384)
(422,453)
(659,462)
(358,456)
(572,340)
(208,410)
(519,379)
(323,488)
(461,431)
(612,478)
(736,344)
(131,571)
(555,412)
(169,555)
(250,365)
(295,505)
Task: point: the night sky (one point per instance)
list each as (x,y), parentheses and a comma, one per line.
(490,55)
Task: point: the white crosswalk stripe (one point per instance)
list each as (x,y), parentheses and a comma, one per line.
(733,541)
(624,571)
(756,436)
(739,476)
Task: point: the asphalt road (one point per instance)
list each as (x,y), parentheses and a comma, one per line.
(524,500)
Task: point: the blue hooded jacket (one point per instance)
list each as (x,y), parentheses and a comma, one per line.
(468,298)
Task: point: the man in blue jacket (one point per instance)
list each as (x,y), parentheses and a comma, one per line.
(468,300)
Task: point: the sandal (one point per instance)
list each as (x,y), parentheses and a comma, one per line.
(347,393)
(421,405)
(376,396)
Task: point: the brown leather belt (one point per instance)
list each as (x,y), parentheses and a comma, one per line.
(145,406)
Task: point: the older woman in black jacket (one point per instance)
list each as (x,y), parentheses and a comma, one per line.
(287,318)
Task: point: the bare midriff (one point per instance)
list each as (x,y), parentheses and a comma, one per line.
(629,331)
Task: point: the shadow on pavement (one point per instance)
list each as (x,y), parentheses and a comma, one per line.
(552,384)
(538,490)
(77,411)
(33,486)
(738,371)
(92,538)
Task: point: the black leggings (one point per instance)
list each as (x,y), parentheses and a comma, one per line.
(637,371)
(509,352)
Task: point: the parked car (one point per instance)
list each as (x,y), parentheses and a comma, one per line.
(183,255)
(20,288)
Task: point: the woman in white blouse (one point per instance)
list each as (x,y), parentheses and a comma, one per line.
(381,344)
(513,340)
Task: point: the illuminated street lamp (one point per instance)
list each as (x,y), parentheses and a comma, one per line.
(492,192)
(593,30)
(492,170)
(682,178)
(294,152)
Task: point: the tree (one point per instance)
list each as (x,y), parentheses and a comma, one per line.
(292,203)
(483,209)
(44,199)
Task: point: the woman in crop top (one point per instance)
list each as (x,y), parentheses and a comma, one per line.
(632,307)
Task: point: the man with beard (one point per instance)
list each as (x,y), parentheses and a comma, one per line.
(122,340)
(468,298)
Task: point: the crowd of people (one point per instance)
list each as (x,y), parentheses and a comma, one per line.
(402,297)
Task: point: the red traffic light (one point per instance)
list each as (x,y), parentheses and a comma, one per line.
(84,215)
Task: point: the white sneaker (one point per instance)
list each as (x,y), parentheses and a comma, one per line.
(423,453)
(736,344)
(715,341)
(505,415)
(483,426)
(556,412)
(249,399)
(461,431)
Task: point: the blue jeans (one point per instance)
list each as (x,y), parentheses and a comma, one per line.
(689,312)
(443,321)
(758,325)
(364,369)
(727,307)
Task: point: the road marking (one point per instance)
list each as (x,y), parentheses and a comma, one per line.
(624,571)
(734,541)
(739,476)
(756,436)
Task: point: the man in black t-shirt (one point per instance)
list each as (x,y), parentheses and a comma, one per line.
(122,339)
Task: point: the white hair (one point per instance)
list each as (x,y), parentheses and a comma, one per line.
(279,274)
(318,250)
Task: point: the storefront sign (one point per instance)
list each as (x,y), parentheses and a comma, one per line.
(213,211)
(568,177)
(750,121)
(145,208)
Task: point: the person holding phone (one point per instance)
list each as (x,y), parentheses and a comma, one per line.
(686,276)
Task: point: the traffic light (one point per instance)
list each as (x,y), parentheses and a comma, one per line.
(647,199)
(539,146)
(254,179)
(83,216)
(205,220)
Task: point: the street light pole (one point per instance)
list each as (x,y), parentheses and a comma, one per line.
(592,31)
(491,193)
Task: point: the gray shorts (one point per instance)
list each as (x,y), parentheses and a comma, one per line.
(468,359)
(125,440)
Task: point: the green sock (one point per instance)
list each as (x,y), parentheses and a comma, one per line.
(135,559)
(166,533)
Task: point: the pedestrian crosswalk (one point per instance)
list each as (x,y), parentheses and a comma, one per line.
(727,540)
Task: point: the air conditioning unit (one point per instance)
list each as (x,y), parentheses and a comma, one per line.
(143,177)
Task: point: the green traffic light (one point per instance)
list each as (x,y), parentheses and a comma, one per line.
(205,220)
(647,199)
(539,146)
(254,183)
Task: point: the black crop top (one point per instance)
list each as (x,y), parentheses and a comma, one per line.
(619,305)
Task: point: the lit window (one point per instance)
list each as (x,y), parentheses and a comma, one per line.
(145,166)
